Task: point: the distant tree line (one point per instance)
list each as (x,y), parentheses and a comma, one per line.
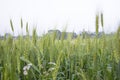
(59,35)
(64,35)
(73,35)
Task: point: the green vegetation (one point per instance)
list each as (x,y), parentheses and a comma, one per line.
(47,58)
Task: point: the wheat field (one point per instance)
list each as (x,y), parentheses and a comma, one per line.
(47,58)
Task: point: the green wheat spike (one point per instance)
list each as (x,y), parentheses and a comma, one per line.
(21,23)
(11,23)
(102,23)
(34,36)
(97,23)
(27,27)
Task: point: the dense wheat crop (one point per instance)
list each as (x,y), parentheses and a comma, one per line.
(47,58)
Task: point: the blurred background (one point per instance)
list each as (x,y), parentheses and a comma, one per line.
(44,15)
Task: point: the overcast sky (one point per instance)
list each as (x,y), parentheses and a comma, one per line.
(50,14)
